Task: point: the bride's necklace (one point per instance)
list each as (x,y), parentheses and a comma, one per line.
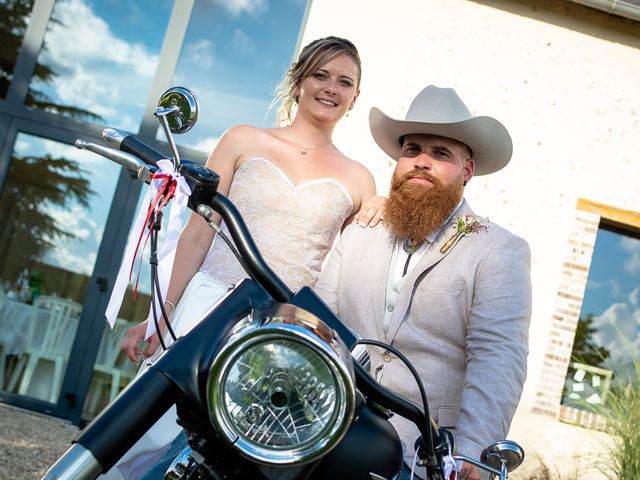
(410,246)
(303,149)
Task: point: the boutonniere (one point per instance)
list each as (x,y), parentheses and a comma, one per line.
(464,225)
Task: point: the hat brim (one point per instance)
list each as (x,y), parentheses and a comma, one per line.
(487,138)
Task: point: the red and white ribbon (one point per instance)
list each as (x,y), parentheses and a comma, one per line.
(166,183)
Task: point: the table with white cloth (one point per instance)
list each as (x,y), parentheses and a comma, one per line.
(15,317)
(15,325)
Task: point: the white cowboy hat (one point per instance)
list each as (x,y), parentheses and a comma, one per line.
(439,111)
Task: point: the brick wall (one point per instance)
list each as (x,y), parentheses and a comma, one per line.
(566,313)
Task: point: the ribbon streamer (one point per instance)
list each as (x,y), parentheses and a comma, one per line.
(166,253)
(450,466)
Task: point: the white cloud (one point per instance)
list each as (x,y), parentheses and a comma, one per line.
(236,7)
(242,42)
(618,331)
(634,297)
(79,42)
(612,285)
(200,53)
(206,144)
(632,246)
(96,70)
(22,146)
(77,254)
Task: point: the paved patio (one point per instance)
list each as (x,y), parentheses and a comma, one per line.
(30,442)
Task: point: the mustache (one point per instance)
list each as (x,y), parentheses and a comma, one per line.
(419,173)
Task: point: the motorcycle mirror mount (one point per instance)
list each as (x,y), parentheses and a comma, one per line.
(177,113)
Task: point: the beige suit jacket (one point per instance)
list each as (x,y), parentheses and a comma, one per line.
(461,317)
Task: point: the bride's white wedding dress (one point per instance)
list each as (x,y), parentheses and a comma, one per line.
(294,227)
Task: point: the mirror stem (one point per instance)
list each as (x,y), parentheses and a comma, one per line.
(161,114)
(501,474)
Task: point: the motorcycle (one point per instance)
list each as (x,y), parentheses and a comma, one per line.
(270,384)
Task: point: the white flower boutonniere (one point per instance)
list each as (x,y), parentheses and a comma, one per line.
(465,225)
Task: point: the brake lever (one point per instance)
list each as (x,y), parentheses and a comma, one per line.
(130,162)
(502,474)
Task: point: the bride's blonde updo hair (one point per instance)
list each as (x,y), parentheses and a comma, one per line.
(314,55)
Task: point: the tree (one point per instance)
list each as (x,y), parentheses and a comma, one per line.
(28,230)
(584,348)
(13,25)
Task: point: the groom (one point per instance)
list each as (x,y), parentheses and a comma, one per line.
(448,288)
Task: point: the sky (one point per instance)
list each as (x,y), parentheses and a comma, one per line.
(613,295)
(234,54)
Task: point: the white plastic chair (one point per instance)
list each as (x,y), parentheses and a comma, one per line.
(112,368)
(49,341)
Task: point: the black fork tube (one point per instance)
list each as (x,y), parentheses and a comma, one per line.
(112,433)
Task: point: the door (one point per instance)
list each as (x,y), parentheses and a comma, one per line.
(54,207)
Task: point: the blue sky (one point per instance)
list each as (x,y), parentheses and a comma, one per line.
(233,56)
(613,295)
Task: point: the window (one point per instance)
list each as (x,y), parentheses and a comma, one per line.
(98,60)
(607,341)
(14,18)
(234,56)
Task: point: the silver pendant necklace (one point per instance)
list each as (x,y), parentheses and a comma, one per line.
(410,246)
(303,149)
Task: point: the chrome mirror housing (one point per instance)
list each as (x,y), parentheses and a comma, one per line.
(505,453)
(180,106)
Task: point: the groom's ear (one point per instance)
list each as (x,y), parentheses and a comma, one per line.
(469,169)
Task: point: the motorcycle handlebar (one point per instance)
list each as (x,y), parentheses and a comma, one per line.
(396,403)
(131,144)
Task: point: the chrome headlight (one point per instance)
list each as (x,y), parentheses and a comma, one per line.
(282,389)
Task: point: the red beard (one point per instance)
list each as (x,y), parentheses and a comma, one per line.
(415,210)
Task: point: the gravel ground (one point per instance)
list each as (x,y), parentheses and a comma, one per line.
(30,442)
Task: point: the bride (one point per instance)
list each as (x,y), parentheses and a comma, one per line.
(295,190)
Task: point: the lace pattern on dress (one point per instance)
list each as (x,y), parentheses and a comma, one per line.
(294,226)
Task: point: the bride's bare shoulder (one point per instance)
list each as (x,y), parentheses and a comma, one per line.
(248,134)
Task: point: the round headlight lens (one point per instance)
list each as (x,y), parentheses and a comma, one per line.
(280,398)
(279,394)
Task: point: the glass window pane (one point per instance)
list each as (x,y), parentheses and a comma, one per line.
(98,60)
(233,58)
(607,342)
(14,19)
(54,207)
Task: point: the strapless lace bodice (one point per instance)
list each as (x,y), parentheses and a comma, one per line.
(294,226)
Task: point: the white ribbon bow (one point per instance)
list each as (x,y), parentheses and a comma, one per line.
(166,253)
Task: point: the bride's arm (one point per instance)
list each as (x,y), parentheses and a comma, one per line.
(368,211)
